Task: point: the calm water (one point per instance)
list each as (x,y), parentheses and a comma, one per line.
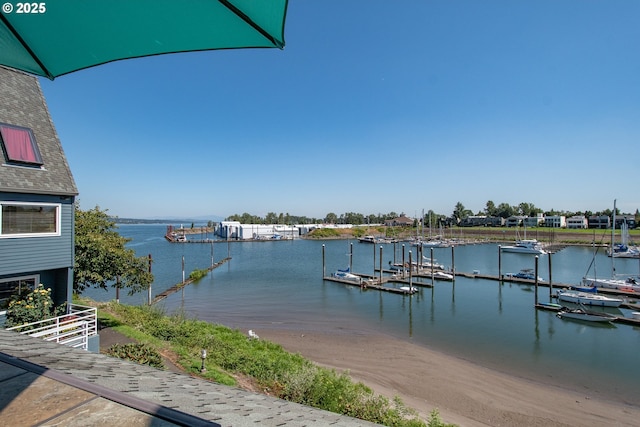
(279,285)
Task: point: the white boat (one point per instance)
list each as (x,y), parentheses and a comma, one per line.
(410,289)
(435,244)
(623,249)
(441,275)
(588,298)
(347,275)
(586,315)
(367,239)
(525,246)
(630,284)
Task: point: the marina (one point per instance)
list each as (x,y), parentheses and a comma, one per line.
(476,317)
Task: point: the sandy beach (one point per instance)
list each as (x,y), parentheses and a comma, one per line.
(465,393)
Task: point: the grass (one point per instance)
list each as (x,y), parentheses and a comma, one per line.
(233,358)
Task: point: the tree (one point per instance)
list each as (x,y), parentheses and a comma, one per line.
(331,218)
(460,213)
(490,208)
(101,258)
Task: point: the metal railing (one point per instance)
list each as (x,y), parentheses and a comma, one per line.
(72,329)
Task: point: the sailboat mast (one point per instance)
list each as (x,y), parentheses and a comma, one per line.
(613,237)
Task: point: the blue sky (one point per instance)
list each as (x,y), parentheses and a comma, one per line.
(373,106)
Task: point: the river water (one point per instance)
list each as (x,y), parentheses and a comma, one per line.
(278,284)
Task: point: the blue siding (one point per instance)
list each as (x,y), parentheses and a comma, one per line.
(34,254)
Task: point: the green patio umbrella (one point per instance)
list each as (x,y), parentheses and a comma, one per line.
(56,37)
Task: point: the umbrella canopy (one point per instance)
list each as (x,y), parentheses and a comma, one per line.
(58,37)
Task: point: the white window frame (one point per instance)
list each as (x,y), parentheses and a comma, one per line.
(36,282)
(58,216)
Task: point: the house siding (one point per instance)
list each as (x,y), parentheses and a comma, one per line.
(51,257)
(32,253)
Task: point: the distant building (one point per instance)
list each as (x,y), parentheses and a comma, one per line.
(514,221)
(533,221)
(473,221)
(577,221)
(234,230)
(555,221)
(401,221)
(599,221)
(630,220)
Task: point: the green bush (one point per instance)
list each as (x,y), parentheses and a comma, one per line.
(142,354)
(31,306)
(198,274)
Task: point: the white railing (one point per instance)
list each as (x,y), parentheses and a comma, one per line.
(73,329)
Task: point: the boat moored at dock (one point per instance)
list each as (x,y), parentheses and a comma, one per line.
(588,298)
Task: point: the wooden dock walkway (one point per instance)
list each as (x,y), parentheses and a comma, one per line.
(181,285)
(378,283)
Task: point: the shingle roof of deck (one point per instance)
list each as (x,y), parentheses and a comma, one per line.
(218,404)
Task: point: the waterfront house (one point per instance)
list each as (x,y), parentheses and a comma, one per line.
(555,221)
(401,221)
(629,220)
(577,221)
(599,221)
(514,221)
(533,221)
(37,194)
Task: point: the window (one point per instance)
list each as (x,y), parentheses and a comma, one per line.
(19,145)
(14,285)
(29,219)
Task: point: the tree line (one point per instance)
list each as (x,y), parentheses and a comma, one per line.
(502,210)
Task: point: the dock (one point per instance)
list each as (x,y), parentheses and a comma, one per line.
(378,283)
(181,285)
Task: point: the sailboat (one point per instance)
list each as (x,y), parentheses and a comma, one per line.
(525,246)
(622,249)
(629,284)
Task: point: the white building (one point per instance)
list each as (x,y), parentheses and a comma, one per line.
(234,230)
(555,221)
(577,221)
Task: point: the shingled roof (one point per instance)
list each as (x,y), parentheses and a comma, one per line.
(22,104)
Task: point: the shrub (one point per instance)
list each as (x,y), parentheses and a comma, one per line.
(30,306)
(198,274)
(142,354)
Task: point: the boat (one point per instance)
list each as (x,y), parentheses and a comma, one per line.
(629,284)
(550,306)
(398,266)
(526,274)
(587,315)
(347,275)
(434,244)
(441,275)
(623,249)
(410,289)
(525,246)
(588,298)
(367,239)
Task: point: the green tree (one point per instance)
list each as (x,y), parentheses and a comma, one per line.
(490,208)
(101,258)
(460,213)
(331,218)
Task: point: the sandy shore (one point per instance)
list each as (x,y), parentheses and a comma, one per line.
(465,394)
